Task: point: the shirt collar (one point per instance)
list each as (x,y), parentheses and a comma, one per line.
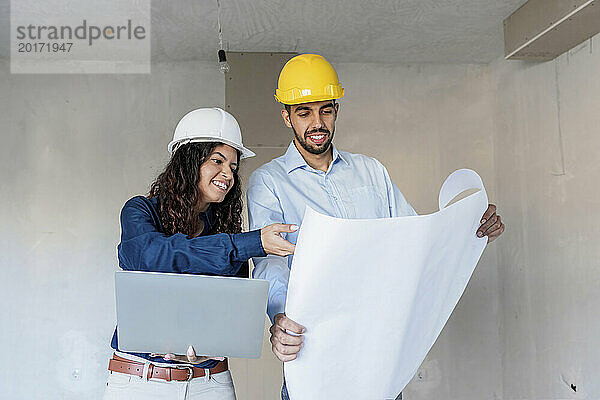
(293,159)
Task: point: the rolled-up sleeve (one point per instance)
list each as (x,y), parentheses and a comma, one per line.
(264,209)
(144,248)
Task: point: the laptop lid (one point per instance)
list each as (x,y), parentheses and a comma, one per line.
(167,312)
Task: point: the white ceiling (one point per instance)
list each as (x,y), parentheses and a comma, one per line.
(405,31)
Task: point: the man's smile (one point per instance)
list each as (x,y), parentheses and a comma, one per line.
(317,138)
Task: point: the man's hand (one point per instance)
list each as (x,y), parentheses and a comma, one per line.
(284,345)
(491,224)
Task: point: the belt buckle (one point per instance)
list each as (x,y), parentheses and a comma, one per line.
(191,372)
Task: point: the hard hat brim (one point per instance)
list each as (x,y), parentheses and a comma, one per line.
(246,153)
(295,96)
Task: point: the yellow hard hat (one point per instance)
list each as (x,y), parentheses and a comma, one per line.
(307,78)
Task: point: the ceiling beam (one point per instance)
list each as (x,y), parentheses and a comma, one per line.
(541,30)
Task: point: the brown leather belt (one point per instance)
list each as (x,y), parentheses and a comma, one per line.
(183,373)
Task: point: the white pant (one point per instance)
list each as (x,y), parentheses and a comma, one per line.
(129,387)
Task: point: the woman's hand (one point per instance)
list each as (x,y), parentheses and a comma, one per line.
(272,241)
(190,357)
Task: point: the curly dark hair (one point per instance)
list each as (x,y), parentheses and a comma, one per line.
(178,193)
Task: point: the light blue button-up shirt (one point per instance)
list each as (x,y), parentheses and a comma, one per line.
(354,186)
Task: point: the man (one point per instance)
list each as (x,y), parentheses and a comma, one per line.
(313,172)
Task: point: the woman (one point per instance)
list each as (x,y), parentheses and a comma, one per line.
(190,223)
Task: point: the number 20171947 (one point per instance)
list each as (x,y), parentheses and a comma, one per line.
(47,47)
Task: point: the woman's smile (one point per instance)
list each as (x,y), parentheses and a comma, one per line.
(224,186)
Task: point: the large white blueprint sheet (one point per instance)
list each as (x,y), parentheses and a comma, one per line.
(374,294)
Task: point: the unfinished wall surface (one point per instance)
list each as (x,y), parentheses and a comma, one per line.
(547,149)
(74,149)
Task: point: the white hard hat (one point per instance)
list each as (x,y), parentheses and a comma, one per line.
(209,125)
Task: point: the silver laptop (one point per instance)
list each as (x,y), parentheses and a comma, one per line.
(165,313)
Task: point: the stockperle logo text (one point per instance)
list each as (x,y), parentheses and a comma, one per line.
(85,31)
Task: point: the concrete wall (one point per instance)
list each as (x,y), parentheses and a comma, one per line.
(76,147)
(547,148)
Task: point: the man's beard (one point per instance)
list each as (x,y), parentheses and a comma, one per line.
(320,149)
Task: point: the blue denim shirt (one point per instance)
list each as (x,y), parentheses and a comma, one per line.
(145,247)
(354,186)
